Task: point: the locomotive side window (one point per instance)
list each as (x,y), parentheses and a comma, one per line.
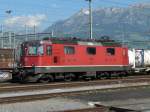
(110,51)
(91,50)
(49,50)
(69,50)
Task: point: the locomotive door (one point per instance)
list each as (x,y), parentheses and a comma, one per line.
(56,54)
(48,54)
(125,56)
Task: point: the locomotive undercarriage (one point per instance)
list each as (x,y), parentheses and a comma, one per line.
(30,75)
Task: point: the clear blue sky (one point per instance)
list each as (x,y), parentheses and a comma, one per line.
(54,10)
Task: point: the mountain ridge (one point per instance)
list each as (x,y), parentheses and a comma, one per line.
(130,24)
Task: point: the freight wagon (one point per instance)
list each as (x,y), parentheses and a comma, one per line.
(6,64)
(6,59)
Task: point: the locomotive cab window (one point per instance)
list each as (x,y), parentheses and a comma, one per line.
(69,50)
(40,50)
(32,50)
(35,50)
(110,51)
(91,50)
(49,50)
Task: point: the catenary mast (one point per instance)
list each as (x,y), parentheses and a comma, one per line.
(90,18)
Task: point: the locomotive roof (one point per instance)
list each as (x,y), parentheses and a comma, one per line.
(74,41)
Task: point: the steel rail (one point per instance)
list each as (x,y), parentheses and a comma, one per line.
(29,87)
(44,96)
(100,109)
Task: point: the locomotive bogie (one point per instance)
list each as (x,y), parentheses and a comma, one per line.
(70,76)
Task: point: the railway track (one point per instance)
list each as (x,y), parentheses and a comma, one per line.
(96,109)
(101,108)
(64,89)
(11,87)
(6,84)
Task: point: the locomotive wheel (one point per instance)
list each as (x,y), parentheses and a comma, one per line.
(22,77)
(46,79)
(69,77)
(108,75)
(123,74)
(98,76)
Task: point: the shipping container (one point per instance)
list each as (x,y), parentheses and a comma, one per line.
(6,59)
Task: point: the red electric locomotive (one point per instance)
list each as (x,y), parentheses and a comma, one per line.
(47,60)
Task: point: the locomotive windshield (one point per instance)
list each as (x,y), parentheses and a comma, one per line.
(35,50)
(32,50)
